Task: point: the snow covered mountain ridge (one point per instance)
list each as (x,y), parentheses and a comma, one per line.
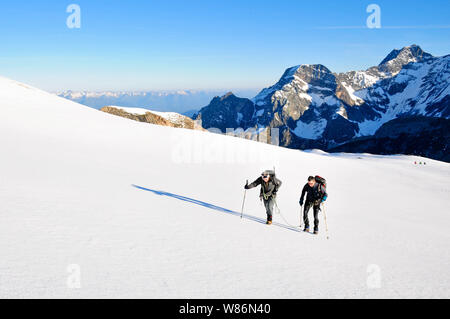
(314,107)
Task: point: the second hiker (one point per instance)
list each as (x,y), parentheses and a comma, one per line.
(316,194)
(269,188)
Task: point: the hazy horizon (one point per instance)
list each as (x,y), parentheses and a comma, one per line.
(174,45)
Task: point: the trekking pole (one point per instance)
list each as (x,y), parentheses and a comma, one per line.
(301,216)
(326,224)
(243,202)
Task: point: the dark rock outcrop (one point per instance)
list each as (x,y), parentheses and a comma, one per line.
(225,112)
(420,136)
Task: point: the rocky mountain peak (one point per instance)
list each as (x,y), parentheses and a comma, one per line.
(305,71)
(290,72)
(318,68)
(395,60)
(296,79)
(316,73)
(227,96)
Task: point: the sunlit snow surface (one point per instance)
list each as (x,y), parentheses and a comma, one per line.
(67,198)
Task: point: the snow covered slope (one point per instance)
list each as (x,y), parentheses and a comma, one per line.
(68,203)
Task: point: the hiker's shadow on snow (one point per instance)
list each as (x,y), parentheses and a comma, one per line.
(214,207)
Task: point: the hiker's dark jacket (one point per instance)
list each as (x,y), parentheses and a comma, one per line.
(268,190)
(314,194)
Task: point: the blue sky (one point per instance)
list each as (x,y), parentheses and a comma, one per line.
(199,44)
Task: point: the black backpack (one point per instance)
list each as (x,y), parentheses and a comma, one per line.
(322,181)
(322,185)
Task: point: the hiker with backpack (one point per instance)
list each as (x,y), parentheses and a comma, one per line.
(270,185)
(316,194)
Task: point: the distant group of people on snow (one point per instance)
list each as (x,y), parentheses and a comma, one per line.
(314,190)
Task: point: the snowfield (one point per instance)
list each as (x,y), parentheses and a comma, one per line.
(74,226)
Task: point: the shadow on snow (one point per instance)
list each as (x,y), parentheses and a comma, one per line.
(214,207)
